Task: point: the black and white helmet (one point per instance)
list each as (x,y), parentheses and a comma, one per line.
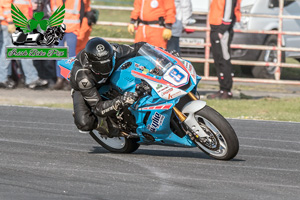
(99,55)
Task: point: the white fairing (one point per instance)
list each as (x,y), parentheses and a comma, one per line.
(164,91)
(190,109)
(191,70)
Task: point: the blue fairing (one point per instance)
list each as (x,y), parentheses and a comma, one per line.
(155,122)
(153,112)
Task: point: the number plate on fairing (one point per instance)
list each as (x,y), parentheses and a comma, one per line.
(176,76)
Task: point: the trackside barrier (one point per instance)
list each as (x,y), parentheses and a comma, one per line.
(207,60)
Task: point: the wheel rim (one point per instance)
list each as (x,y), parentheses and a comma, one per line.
(115,142)
(271,56)
(221,148)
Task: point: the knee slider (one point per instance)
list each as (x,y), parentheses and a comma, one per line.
(85,123)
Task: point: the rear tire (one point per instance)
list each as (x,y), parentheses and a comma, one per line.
(227,145)
(116,144)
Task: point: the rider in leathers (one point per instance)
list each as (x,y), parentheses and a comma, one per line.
(92,67)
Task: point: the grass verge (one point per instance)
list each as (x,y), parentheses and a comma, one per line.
(48,105)
(287,109)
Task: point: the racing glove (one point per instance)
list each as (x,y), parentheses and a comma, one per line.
(109,107)
(167,34)
(130,28)
(128,98)
(11,28)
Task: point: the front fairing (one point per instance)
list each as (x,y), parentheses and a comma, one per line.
(170,77)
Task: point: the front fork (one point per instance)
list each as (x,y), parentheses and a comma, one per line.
(190,121)
(179,114)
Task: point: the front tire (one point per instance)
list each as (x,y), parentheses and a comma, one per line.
(224,144)
(115,144)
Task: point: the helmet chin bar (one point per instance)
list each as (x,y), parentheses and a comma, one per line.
(88,64)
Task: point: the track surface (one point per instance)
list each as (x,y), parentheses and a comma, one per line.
(44,157)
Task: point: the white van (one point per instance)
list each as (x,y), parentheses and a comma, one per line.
(269,7)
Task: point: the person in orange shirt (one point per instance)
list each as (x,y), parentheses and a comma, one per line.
(72,22)
(222,17)
(154,19)
(90,17)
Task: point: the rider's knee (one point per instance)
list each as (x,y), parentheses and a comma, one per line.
(85,123)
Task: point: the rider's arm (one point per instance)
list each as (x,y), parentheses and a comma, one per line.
(127,51)
(81,80)
(87,87)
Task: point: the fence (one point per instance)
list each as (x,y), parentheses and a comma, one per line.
(207,60)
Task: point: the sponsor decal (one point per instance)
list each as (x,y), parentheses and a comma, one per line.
(191,69)
(72,59)
(158,86)
(101,50)
(140,67)
(157,120)
(176,94)
(167,91)
(163,89)
(100,47)
(154,4)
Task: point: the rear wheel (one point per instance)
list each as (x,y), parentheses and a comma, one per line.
(116,144)
(222,142)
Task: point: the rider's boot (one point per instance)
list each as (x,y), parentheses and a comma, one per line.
(106,126)
(113,128)
(102,127)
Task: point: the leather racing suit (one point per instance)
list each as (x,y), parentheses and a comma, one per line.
(88,105)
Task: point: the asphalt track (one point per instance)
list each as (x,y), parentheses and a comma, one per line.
(44,157)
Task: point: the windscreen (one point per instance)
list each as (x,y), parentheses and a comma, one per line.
(156,57)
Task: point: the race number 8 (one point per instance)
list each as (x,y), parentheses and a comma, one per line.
(176,75)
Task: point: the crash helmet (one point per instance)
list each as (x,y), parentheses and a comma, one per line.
(99,55)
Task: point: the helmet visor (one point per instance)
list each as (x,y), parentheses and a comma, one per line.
(101,67)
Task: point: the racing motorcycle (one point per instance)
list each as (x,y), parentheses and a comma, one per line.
(167,111)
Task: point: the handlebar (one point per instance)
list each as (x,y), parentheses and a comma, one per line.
(143,89)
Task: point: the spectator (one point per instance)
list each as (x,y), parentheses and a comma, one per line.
(183,18)
(32,79)
(46,68)
(87,18)
(222,16)
(72,21)
(154,20)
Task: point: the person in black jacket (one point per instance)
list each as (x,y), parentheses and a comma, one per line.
(92,67)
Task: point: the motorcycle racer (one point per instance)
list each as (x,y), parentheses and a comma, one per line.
(92,68)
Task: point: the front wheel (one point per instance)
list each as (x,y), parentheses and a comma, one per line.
(116,144)
(222,142)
